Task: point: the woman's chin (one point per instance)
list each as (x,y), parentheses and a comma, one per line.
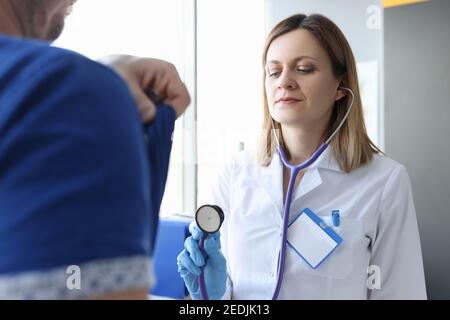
(289,119)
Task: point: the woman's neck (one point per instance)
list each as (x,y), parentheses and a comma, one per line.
(302,141)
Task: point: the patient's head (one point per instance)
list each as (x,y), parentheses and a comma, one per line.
(38,19)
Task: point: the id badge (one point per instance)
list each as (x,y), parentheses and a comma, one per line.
(312,238)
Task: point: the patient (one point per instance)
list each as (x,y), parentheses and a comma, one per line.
(80,186)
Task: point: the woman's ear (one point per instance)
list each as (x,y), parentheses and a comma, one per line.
(340,93)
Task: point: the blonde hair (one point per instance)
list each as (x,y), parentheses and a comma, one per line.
(351,147)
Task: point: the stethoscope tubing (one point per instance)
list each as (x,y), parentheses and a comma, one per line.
(201,278)
(201,245)
(294,170)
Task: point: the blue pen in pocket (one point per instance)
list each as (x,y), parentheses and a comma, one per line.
(336,218)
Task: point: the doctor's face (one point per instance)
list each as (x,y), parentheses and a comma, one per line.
(300,85)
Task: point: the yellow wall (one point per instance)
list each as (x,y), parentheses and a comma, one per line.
(394,3)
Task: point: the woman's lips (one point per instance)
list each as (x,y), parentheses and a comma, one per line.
(288,101)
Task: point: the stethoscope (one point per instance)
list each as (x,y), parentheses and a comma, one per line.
(294,170)
(209,218)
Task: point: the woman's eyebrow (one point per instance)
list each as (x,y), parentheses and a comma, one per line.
(295,59)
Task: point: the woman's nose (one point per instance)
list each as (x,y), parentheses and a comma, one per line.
(285,82)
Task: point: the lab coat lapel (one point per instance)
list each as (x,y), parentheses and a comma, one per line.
(271,180)
(312,179)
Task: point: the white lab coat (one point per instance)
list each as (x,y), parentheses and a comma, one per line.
(378,225)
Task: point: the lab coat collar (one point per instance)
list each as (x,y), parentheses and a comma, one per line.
(271,178)
(327,161)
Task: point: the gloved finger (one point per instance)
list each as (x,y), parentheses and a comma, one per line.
(183,271)
(190,280)
(193,249)
(215,235)
(195,231)
(184,260)
(215,256)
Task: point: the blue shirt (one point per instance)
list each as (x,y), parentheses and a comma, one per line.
(79,182)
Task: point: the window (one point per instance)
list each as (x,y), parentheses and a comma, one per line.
(231,36)
(147,28)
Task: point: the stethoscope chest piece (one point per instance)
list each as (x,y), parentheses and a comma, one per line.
(209,218)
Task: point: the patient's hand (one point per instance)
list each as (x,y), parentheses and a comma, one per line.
(151,81)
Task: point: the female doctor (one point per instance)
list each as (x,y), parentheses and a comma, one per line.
(310,84)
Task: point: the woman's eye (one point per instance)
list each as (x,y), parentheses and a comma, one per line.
(273,73)
(305,70)
(302,70)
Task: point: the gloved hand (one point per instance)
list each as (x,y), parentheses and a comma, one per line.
(190,261)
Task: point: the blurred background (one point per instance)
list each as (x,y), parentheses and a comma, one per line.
(402,50)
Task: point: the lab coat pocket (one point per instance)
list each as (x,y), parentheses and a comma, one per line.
(339,264)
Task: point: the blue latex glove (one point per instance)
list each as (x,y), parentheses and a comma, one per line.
(190,261)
